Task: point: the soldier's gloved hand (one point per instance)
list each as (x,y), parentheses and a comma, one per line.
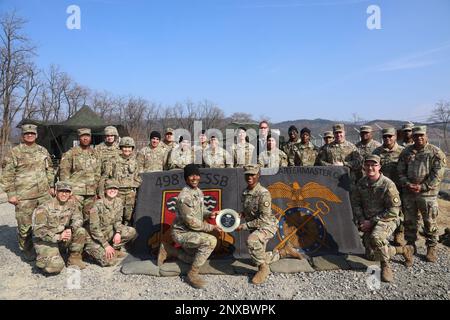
(13,200)
(365,226)
(110,252)
(213,214)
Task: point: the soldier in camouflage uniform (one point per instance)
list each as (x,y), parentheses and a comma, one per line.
(107,235)
(153,157)
(81,167)
(57,226)
(182,155)
(421,168)
(110,147)
(303,153)
(198,151)
(290,146)
(243,152)
(407,135)
(273,157)
(169,142)
(376,207)
(341,152)
(389,152)
(262,225)
(28,180)
(216,156)
(366,145)
(327,139)
(124,169)
(190,229)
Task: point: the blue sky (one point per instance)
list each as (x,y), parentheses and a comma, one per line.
(285,59)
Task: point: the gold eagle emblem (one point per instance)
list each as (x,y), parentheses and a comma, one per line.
(297,194)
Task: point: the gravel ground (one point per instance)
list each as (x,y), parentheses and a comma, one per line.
(22,280)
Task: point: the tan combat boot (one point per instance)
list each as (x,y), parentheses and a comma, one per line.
(75,260)
(289,251)
(193,278)
(166,251)
(120,253)
(262,274)
(408,254)
(431,254)
(386,272)
(399,239)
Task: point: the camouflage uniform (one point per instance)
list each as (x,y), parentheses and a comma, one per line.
(125,170)
(366,149)
(425,167)
(180,158)
(198,153)
(105,152)
(273,159)
(152,159)
(389,161)
(82,169)
(303,155)
(260,221)
(346,152)
(289,148)
(380,203)
(243,154)
(28,175)
(190,230)
(105,221)
(49,221)
(218,158)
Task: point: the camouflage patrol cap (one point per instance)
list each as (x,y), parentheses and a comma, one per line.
(407,126)
(29,128)
(328,134)
(126,142)
(372,157)
(111,131)
(63,186)
(251,169)
(365,129)
(389,132)
(419,130)
(83,131)
(169,130)
(338,127)
(110,184)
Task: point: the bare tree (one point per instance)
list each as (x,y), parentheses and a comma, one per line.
(76,96)
(15,52)
(211,115)
(31,87)
(241,117)
(441,113)
(106,105)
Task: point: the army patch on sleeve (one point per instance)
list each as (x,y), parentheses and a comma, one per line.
(396,200)
(266,204)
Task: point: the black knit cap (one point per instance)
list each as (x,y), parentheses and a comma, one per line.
(190,170)
(305,130)
(155,134)
(292,128)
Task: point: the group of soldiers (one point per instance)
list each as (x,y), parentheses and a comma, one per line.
(90,207)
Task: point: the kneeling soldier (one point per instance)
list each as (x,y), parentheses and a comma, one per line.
(190,229)
(106,228)
(57,225)
(376,207)
(262,224)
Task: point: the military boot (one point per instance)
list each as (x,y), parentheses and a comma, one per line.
(386,272)
(431,254)
(399,239)
(29,255)
(262,274)
(193,278)
(289,251)
(166,251)
(75,260)
(408,253)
